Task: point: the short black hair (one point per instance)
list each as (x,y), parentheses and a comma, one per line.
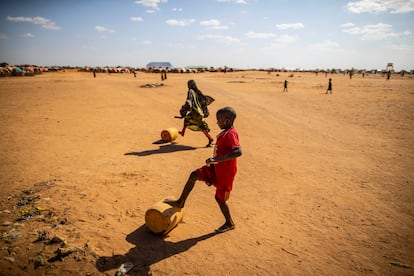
(227,112)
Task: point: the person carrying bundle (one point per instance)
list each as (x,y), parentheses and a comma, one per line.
(195,110)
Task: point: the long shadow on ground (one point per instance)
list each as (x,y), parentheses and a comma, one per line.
(172,147)
(149,249)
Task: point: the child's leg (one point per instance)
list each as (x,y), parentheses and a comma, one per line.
(182,132)
(229,225)
(186,191)
(210,139)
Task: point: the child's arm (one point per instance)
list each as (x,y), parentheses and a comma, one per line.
(236,152)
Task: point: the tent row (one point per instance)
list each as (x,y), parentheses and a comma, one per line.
(22,70)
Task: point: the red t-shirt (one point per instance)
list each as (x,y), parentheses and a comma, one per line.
(225,171)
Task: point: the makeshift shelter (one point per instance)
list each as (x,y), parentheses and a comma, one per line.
(4,72)
(159,65)
(17,71)
(196,68)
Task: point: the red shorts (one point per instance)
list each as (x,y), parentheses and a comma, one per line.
(208,175)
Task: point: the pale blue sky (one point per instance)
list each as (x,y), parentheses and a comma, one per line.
(307,34)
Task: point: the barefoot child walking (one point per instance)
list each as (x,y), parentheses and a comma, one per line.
(220,169)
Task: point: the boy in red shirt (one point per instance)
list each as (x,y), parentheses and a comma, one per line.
(220,169)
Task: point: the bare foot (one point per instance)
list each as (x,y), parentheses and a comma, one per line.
(181,133)
(225,227)
(174,203)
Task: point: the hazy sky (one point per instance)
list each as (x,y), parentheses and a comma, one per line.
(305,34)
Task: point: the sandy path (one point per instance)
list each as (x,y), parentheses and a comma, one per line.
(325,183)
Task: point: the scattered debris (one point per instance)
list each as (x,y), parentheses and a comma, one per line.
(25,230)
(152,85)
(62,252)
(42,235)
(57,240)
(124,269)
(38,260)
(12,234)
(28,213)
(10,259)
(289,252)
(27,200)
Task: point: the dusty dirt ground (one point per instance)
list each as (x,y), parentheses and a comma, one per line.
(324,186)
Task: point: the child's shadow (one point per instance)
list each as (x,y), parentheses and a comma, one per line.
(149,249)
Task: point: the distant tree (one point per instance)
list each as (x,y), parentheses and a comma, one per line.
(4,64)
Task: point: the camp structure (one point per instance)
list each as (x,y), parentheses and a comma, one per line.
(196,68)
(159,66)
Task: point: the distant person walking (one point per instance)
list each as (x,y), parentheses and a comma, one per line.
(163,74)
(285,85)
(94,73)
(329,87)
